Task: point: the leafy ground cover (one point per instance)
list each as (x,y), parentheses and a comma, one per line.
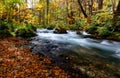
(18,62)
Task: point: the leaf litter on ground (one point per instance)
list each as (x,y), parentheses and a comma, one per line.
(16,62)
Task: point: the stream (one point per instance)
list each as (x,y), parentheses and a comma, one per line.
(75,51)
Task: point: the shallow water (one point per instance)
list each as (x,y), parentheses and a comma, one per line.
(105,48)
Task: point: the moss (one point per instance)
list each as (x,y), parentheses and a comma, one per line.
(25,33)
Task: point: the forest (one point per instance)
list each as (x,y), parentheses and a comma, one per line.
(59,38)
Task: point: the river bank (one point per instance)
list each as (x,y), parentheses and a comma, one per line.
(16,61)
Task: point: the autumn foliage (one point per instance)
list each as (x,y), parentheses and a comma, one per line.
(18,62)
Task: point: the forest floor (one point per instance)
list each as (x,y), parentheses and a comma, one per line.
(18,62)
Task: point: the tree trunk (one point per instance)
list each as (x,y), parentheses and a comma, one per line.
(67,11)
(113,5)
(39,16)
(71,14)
(118,7)
(90,6)
(117,13)
(81,8)
(100,4)
(47,11)
(116,18)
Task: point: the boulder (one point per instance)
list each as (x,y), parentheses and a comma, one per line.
(50,28)
(78,32)
(25,33)
(60,31)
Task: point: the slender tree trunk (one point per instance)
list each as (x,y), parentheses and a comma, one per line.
(113,5)
(81,8)
(47,20)
(117,12)
(118,7)
(71,14)
(39,18)
(85,6)
(67,11)
(90,7)
(43,16)
(116,18)
(100,4)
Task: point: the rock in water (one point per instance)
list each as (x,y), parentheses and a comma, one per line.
(60,30)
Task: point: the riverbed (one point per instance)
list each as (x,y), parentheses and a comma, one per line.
(79,56)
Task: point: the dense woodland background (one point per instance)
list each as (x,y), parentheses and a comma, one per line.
(51,55)
(98,17)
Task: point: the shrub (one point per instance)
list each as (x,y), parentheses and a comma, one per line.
(91,29)
(31,27)
(4,33)
(104,32)
(79,25)
(5,28)
(74,27)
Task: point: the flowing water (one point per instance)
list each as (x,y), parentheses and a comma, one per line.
(77,53)
(105,48)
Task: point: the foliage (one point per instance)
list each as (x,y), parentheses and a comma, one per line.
(116,26)
(15,29)
(102,19)
(10,12)
(103,31)
(101,24)
(4,33)
(58,14)
(79,24)
(25,33)
(91,29)
(5,29)
(25,30)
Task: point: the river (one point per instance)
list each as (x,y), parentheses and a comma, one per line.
(76,45)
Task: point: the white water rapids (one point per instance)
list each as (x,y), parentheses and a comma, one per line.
(105,47)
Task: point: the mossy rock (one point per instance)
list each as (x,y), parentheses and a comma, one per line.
(60,30)
(25,33)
